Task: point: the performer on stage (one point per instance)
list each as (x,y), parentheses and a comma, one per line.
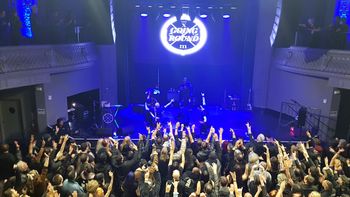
(153,109)
(185,93)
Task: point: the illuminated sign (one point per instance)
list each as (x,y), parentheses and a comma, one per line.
(184,36)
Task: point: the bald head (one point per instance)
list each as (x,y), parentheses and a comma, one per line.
(176,175)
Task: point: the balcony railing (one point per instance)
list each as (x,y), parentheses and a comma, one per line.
(314,62)
(46,58)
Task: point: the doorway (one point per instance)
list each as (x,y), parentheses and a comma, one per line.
(11,123)
(343,119)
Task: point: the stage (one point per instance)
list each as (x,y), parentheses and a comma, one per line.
(130,120)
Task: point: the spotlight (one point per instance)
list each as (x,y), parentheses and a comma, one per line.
(137,6)
(144,14)
(203,16)
(166,15)
(226,16)
(185,17)
(74,104)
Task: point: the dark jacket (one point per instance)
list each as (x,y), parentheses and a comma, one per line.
(7,160)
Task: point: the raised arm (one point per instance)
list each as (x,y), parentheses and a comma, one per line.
(41,152)
(172,149)
(60,152)
(110,186)
(170,128)
(198,188)
(281,189)
(177,126)
(336,155)
(18,151)
(221,130)
(31,146)
(193,127)
(234,138)
(212,130)
(189,133)
(268,158)
(182,164)
(249,131)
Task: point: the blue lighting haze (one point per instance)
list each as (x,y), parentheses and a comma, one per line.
(24,12)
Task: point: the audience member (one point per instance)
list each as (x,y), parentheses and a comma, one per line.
(171,162)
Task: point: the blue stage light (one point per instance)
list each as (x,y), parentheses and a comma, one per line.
(144,14)
(203,16)
(342,9)
(24,12)
(225,16)
(166,15)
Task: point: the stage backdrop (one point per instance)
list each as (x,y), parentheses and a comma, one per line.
(223,66)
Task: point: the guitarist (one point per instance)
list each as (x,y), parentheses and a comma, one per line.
(153,109)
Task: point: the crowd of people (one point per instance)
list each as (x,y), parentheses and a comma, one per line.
(10,28)
(333,36)
(57,29)
(171,161)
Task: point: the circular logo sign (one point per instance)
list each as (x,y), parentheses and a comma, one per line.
(183,37)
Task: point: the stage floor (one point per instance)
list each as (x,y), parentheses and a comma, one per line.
(131,121)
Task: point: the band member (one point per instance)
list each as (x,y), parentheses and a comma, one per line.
(150,108)
(185,93)
(59,129)
(153,109)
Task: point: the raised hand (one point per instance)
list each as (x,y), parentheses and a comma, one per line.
(221,130)
(249,128)
(57,129)
(111,174)
(177,125)
(308,134)
(17,145)
(158,126)
(341,150)
(148,130)
(212,130)
(167,187)
(331,150)
(66,137)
